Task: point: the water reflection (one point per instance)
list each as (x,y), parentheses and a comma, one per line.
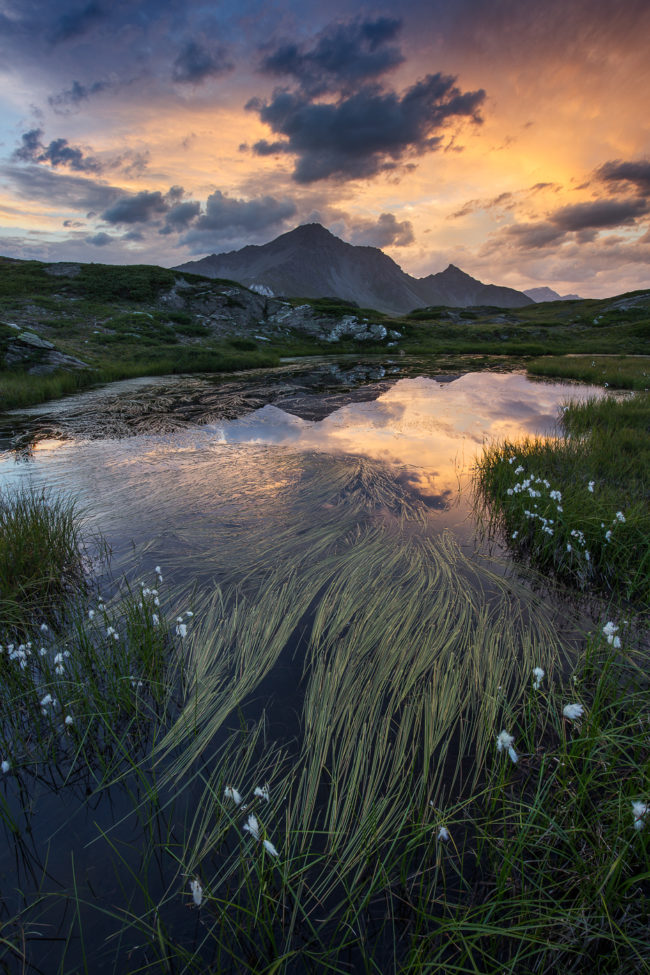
(242,476)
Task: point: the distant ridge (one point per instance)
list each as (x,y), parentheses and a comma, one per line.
(547,294)
(310,262)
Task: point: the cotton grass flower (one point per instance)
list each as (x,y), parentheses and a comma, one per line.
(69,720)
(231,793)
(443,834)
(573,711)
(591,486)
(538,675)
(505,743)
(262,792)
(6,765)
(181,630)
(197,892)
(252,826)
(268,846)
(639,811)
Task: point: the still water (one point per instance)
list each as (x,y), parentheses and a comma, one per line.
(367,631)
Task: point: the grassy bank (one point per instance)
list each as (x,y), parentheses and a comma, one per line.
(578,505)
(617,372)
(43,557)
(18,389)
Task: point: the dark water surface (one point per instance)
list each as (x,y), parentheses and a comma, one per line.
(223,485)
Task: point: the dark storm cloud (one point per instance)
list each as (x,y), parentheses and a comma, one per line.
(58,153)
(365,133)
(180,217)
(59,189)
(599,214)
(343,56)
(580,222)
(195,63)
(138,208)
(386,231)
(78,93)
(99,240)
(637,173)
(76,22)
(225,212)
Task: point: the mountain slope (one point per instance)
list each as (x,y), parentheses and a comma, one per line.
(310,262)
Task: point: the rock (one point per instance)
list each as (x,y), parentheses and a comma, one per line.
(35,341)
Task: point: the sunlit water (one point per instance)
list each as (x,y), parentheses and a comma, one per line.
(243,472)
(219,502)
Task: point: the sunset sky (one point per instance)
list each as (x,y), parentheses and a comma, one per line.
(509,137)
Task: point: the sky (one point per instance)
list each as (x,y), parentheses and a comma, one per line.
(508,137)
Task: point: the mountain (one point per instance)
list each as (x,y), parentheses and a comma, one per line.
(547,294)
(310,262)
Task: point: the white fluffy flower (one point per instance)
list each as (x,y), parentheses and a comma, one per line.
(573,711)
(268,846)
(252,826)
(197,892)
(5,766)
(262,792)
(639,811)
(231,793)
(591,486)
(505,743)
(181,630)
(69,720)
(538,674)
(443,834)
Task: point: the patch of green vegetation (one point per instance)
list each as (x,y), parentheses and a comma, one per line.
(108,283)
(577,505)
(41,557)
(618,372)
(19,389)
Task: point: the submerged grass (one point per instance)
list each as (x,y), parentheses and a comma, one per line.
(384,831)
(577,505)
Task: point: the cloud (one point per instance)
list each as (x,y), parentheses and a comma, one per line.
(195,63)
(365,133)
(100,239)
(77,22)
(599,214)
(137,208)
(78,93)
(59,189)
(343,56)
(180,217)
(637,173)
(386,231)
(58,153)
(227,213)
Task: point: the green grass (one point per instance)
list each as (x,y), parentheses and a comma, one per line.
(617,372)
(19,389)
(596,532)
(43,560)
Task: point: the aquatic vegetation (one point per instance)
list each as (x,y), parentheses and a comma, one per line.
(387,832)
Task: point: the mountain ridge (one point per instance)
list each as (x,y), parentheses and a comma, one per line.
(311,262)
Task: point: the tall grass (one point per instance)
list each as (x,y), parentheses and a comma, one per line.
(43,559)
(576,505)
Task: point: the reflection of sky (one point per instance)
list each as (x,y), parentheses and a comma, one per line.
(430,431)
